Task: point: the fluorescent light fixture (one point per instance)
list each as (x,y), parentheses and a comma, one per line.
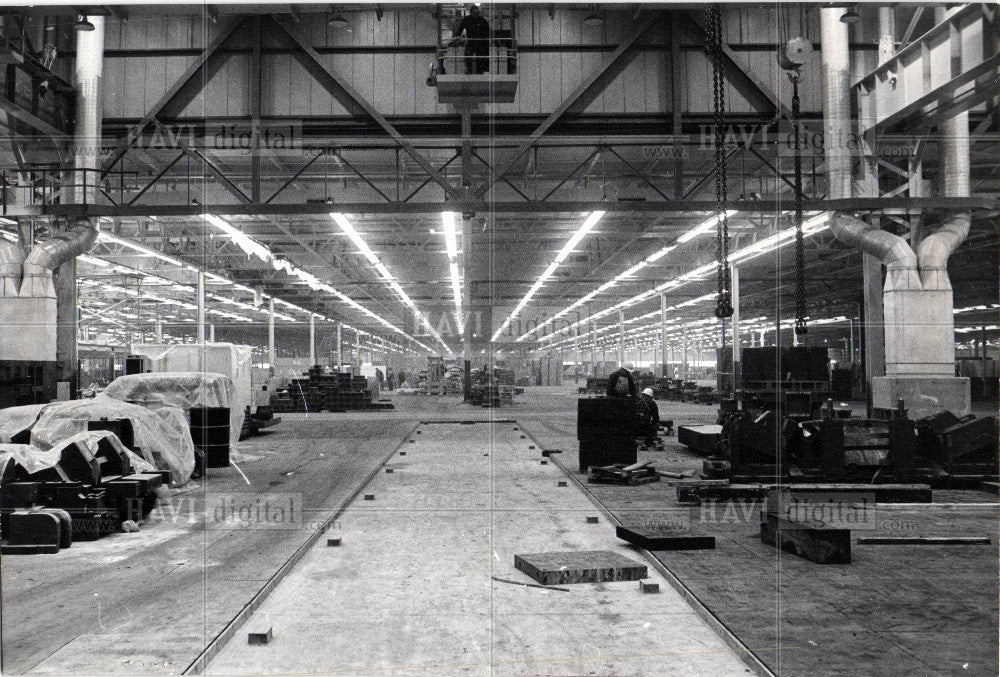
(250,246)
(581,232)
(657,255)
(359,242)
(703,227)
(355,237)
(817,223)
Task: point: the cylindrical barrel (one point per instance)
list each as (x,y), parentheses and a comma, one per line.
(210,434)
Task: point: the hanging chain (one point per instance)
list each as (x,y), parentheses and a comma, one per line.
(800,256)
(724,304)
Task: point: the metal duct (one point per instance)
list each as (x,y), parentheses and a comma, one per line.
(836,103)
(52,253)
(89,70)
(935,249)
(11,258)
(891,249)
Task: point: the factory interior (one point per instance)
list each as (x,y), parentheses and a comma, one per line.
(530,338)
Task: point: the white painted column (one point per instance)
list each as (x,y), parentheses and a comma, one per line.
(340,345)
(88,73)
(312,340)
(735,284)
(684,365)
(200,291)
(593,347)
(663,330)
(270,333)
(621,338)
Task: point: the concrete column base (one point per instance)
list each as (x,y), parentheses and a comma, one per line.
(923,395)
(28,328)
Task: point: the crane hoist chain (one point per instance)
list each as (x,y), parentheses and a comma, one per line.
(800,256)
(724,304)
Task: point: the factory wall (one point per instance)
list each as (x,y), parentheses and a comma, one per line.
(395,81)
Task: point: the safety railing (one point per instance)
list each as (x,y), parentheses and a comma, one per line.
(464,57)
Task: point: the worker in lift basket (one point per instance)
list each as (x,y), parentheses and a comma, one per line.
(477,44)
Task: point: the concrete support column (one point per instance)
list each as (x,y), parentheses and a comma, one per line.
(158,330)
(735,283)
(67,319)
(200,291)
(340,346)
(312,340)
(684,365)
(663,331)
(621,338)
(872,318)
(211,333)
(270,334)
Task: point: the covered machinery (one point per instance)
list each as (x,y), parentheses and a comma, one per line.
(91,482)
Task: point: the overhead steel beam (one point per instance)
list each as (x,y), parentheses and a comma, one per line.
(297,174)
(156,178)
(33,121)
(217,173)
(857,204)
(357,105)
(582,96)
(755,90)
(180,93)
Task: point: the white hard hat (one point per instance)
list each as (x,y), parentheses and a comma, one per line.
(648,391)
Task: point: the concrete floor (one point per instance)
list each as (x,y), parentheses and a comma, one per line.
(410,592)
(151,602)
(896,609)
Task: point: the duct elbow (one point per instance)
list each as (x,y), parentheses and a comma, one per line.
(891,249)
(935,249)
(54,252)
(11,261)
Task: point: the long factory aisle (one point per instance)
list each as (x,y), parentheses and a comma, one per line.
(409,591)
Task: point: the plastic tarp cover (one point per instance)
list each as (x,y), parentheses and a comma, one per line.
(33,459)
(16,419)
(183,389)
(162,435)
(90,439)
(228,359)
(29,457)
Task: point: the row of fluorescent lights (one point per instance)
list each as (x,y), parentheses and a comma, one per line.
(147,251)
(581,232)
(818,223)
(702,228)
(253,248)
(348,228)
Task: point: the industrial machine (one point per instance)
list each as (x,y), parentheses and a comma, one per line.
(784,424)
(779,390)
(94,485)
